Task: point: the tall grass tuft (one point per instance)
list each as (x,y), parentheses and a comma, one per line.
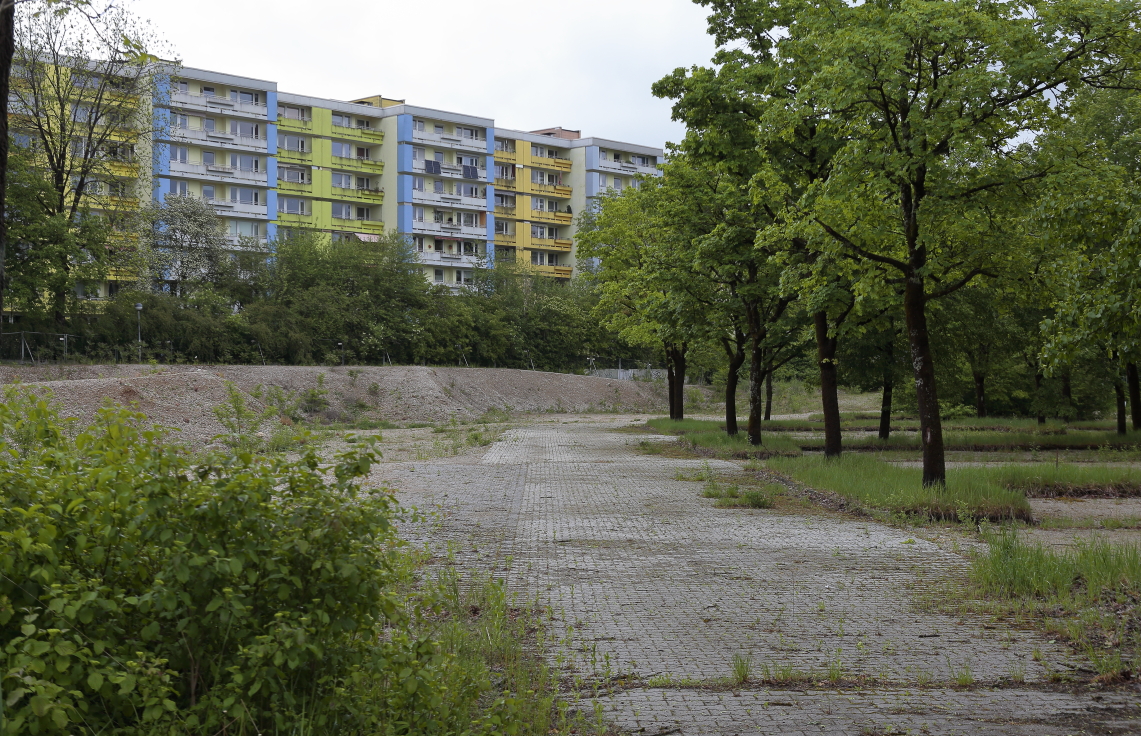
(1012,568)
(881,485)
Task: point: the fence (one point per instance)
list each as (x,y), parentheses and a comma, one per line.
(40,347)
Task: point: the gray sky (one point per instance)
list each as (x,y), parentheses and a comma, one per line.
(529,64)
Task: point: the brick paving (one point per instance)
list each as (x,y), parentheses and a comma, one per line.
(659,585)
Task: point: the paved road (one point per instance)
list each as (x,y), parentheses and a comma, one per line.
(659,584)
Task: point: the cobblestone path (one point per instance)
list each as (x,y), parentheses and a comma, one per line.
(660,585)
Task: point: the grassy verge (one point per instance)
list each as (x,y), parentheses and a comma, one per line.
(1089,595)
(709,437)
(492,654)
(1062,480)
(880,485)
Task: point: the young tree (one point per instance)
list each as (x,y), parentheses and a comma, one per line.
(81,99)
(182,242)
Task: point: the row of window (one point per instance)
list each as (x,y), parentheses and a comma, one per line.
(446,157)
(242,96)
(340,120)
(236,128)
(629,157)
(445,217)
(461,276)
(538,232)
(458,189)
(340,210)
(340,149)
(459,131)
(449,247)
(538,176)
(238,195)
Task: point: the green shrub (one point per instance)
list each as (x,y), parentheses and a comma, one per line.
(142,593)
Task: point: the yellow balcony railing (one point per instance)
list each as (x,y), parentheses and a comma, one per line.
(505,184)
(556,190)
(505,211)
(506,157)
(558,164)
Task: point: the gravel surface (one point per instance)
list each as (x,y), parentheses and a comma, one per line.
(174,395)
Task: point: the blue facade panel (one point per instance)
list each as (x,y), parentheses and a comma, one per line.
(403,187)
(591,157)
(491,141)
(403,157)
(404,218)
(403,128)
(271,139)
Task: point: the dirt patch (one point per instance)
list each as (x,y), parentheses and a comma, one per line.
(396,394)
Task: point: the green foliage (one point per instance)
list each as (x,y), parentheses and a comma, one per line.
(143,593)
(1014,569)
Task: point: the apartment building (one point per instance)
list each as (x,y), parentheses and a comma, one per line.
(463,191)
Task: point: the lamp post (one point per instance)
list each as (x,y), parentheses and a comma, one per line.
(341,345)
(139,313)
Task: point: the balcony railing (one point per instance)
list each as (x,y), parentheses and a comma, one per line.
(359,129)
(297,122)
(505,183)
(359,191)
(509,211)
(360,160)
(294,183)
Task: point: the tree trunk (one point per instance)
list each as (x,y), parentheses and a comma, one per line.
(826,360)
(1038,396)
(679,379)
(736,360)
(1134,394)
(1119,390)
(757,375)
(885,404)
(7,49)
(930,424)
(1068,395)
(980,395)
(769,395)
(671,379)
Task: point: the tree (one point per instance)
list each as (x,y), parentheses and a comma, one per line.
(81,101)
(181,242)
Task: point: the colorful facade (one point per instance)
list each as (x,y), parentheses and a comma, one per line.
(464,192)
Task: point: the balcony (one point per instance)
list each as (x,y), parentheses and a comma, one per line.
(506,157)
(505,239)
(561,218)
(360,161)
(439,199)
(368,193)
(288,124)
(357,130)
(292,154)
(298,219)
(450,141)
(505,211)
(546,162)
(451,229)
(239,209)
(551,244)
(627,167)
(555,190)
(217,172)
(561,272)
(218,105)
(294,186)
(505,184)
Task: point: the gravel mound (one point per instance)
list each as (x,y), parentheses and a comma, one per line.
(184,396)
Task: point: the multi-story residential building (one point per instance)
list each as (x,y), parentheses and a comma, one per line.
(220,144)
(329,167)
(464,192)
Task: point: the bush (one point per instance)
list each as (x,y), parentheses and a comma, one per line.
(142,593)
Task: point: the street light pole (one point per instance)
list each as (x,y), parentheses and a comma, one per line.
(341,345)
(139,312)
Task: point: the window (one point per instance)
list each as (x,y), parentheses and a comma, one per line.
(245,228)
(209,91)
(417,154)
(343,121)
(179,153)
(643,160)
(470,219)
(504,171)
(418,241)
(617,183)
(342,150)
(245,163)
(501,227)
(439,157)
(469,190)
(438,129)
(552,259)
(418,183)
(243,195)
(470,248)
(342,211)
(418,125)
(291,206)
(602,155)
(293,113)
(603,182)
(208,158)
(463,277)
(539,205)
(539,232)
(362,123)
(363,182)
(469,133)
(208,125)
(504,200)
(439,276)
(180,122)
(296,176)
(208,191)
(364,213)
(179,188)
(417,214)
(617,157)
(245,98)
(438,245)
(438,216)
(438,186)
(182,87)
(504,145)
(245,130)
(363,153)
(342,180)
(538,258)
(294,143)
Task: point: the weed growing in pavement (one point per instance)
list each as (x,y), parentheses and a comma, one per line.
(836,669)
(1016,672)
(924,678)
(742,669)
(963,676)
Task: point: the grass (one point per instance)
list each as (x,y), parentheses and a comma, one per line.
(732,497)
(1053,480)
(707,435)
(880,485)
(1089,595)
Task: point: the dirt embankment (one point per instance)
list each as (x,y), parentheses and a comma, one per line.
(184,396)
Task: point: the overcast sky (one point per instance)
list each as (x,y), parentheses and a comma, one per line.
(585,65)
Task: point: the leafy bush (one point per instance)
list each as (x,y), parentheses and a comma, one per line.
(141,593)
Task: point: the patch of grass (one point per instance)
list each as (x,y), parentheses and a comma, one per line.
(365,424)
(1089,595)
(742,669)
(1046,480)
(900,490)
(709,436)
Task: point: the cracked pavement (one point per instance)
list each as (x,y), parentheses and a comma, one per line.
(660,585)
